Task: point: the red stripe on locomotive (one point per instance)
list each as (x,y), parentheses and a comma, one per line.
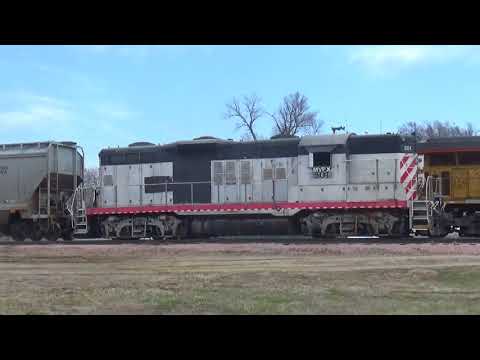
(247,207)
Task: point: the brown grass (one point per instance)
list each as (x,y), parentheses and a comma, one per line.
(239,279)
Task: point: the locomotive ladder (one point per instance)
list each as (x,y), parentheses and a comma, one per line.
(420,216)
(421,211)
(81,226)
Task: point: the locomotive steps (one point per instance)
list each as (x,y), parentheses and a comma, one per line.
(420,215)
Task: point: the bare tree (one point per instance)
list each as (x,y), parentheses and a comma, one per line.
(293,117)
(91,177)
(433,129)
(246,112)
(470,130)
(411,128)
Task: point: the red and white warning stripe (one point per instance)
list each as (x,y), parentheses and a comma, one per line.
(408,175)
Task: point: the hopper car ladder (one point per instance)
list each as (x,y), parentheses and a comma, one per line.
(78,210)
(80,224)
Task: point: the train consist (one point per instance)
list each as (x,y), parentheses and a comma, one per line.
(335,185)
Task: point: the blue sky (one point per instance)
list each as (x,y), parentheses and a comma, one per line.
(105,96)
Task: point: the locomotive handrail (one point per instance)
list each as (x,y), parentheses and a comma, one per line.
(260,182)
(383,159)
(427,187)
(164,191)
(176,183)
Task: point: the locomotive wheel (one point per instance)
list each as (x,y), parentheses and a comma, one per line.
(332,231)
(157,234)
(103,232)
(125,233)
(53,235)
(181,232)
(437,236)
(398,231)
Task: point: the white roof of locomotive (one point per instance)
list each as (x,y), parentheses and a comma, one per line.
(324,140)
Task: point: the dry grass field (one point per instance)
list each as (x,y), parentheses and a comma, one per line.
(240,279)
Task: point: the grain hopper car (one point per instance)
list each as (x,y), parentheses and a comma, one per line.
(37,186)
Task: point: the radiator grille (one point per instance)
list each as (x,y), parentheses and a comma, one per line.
(218,173)
(245,176)
(267,174)
(230,176)
(280,173)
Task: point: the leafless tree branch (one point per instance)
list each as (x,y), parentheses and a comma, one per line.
(433,129)
(91,177)
(246,112)
(294,117)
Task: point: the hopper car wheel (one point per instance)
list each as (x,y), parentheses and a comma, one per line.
(36,233)
(36,236)
(17,231)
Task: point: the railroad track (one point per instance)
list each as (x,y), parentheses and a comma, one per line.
(286,240)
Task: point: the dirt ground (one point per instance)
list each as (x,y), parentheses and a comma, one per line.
(253,278)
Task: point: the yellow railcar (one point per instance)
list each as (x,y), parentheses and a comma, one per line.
(453,165)
(458,182)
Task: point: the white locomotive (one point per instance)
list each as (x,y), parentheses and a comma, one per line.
(325,185)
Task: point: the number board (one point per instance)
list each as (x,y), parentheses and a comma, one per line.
(321,171)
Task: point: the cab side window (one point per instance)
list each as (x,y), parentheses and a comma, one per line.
(469,158)
(322,159)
